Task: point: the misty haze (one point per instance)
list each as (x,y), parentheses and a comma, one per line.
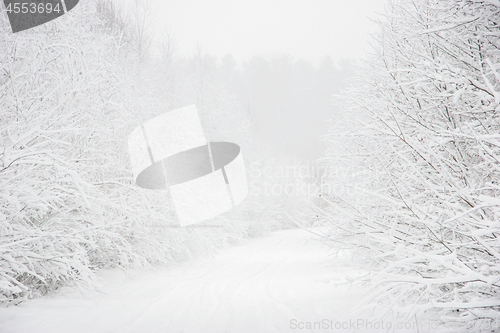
(237,166)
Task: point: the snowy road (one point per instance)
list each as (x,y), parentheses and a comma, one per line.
(277,283)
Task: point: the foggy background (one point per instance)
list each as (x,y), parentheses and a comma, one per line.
(400,217)
(284,60)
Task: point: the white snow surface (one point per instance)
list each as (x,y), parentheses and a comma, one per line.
(277,283)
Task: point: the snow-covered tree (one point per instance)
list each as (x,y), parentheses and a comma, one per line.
(419,144)
(71,91)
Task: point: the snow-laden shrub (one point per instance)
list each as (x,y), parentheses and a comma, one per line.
(71,91)
(414,162)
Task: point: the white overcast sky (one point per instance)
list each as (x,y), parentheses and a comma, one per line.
(307,29)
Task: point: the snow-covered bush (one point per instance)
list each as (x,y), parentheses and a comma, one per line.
(418,148)
(71,91)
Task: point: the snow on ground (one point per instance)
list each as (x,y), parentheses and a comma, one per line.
(277,283)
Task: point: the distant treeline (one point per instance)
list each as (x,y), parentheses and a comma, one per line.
(290,101)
